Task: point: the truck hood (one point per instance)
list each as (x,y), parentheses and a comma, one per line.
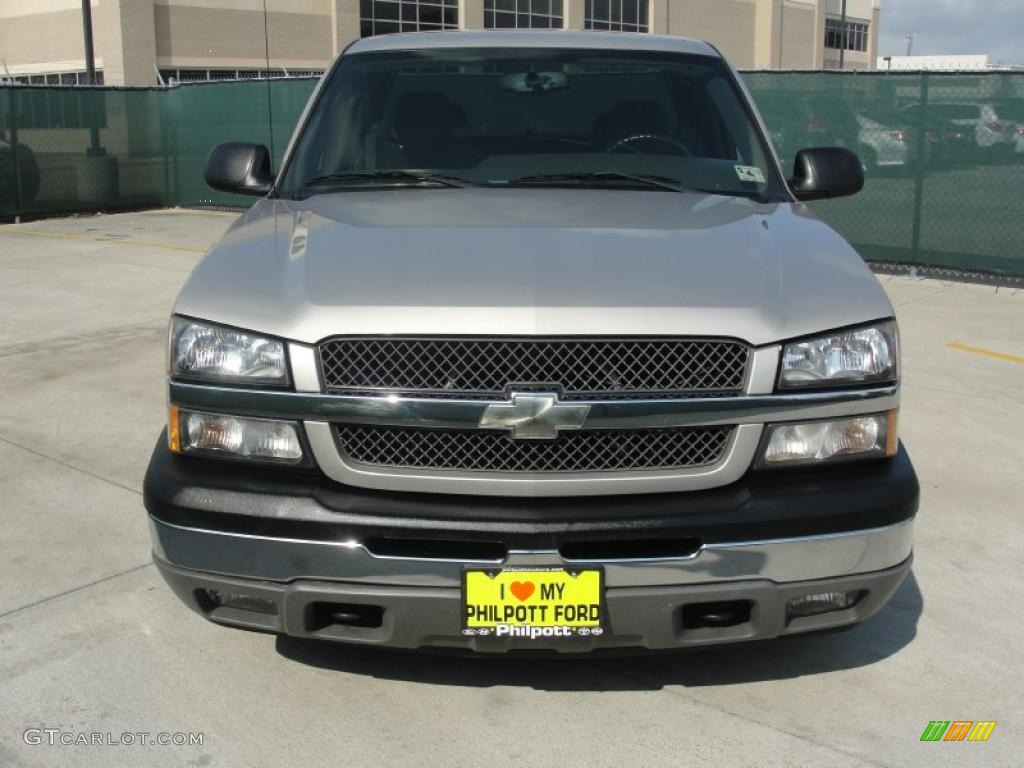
(523,262)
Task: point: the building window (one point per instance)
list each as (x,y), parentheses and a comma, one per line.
(382,17)
(856,35)
(617,15)
(523,14)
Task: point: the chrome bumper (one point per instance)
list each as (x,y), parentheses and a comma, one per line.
(272,559)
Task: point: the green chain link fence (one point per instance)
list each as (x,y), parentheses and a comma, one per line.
(943,153)
(101,149)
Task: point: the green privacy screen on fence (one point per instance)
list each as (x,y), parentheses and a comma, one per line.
(87,149)
(943,153)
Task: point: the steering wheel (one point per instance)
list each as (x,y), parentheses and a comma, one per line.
(668,140)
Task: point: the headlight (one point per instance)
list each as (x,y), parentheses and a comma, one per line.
(234,436)
(218,354)
(836,439)
(858,356)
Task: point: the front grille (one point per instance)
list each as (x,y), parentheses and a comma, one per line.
(491,451)
(576,368)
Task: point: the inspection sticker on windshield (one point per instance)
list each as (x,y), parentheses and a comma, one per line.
(750,173)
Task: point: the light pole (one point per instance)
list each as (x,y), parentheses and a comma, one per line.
(97,172)
(94,150)
(842,37)
(90,58)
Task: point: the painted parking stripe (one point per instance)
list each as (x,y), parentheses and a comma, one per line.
(986,352)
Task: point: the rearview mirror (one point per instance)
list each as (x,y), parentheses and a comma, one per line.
(534,82)
(825,172)
(240,168)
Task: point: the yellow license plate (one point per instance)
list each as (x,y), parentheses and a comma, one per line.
(532,604)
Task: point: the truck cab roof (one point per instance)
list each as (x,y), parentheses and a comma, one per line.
(619,41)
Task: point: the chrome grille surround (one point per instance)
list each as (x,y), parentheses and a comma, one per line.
(745,412)
(578,369)
(603,450)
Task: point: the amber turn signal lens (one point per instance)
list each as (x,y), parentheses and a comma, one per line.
(173,429)
(892,438)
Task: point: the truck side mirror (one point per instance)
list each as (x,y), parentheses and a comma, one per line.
(825,172)
(240,168)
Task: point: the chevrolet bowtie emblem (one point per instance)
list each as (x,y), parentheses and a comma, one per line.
(534,416)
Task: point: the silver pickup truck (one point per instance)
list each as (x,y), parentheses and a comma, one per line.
(530,343)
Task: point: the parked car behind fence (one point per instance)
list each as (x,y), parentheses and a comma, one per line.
(990,136)
(19,182)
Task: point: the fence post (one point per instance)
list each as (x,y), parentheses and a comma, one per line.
(165,145)
(922,145)
(171,110)
(19,201)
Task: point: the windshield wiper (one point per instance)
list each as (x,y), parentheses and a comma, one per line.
(407,176)
(661,182)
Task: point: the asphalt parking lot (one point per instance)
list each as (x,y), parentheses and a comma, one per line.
(92,641)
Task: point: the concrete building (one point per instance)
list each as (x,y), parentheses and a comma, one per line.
(853,44)
(41,40)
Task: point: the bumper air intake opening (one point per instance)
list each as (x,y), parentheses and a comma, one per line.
(636,549)
(726,613)
(324,616)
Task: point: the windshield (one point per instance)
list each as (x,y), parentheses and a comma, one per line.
(514,117)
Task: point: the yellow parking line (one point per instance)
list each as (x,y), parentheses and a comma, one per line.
(195,212)
(986,352)
(17,230)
